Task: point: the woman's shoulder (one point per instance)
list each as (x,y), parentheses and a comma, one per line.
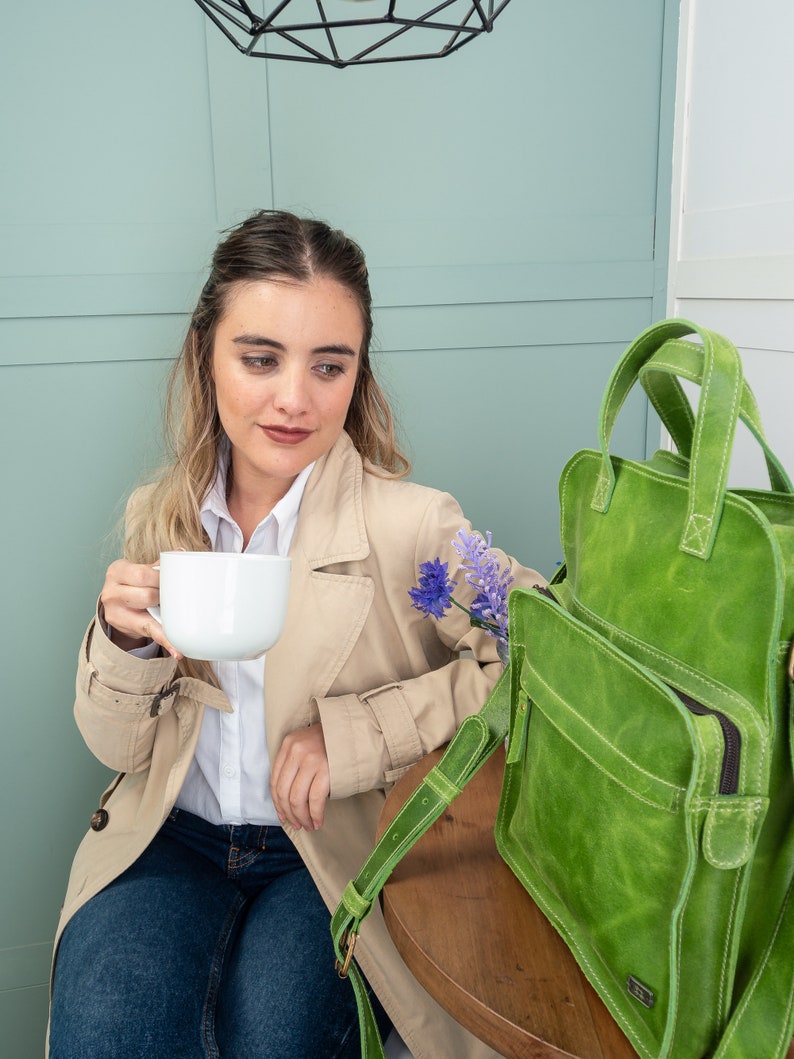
(405,511)
(403,492)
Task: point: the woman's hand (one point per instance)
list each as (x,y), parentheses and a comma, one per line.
(128,590)
(301,780)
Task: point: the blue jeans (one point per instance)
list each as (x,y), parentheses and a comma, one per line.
(214,943)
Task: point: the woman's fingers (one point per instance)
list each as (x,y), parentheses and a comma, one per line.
(128,590)
(300,781)
(153,630)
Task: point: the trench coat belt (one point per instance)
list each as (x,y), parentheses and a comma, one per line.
(190,688)
(159,702)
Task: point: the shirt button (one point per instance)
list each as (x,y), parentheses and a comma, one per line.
(229,771)
(99,820)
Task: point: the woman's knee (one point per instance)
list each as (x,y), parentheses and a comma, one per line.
(133,974)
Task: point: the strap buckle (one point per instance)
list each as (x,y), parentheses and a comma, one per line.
(346,945)
(161,696)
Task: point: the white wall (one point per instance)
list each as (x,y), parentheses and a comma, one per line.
(732,230)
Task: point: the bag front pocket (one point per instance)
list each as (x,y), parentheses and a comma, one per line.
(595,817)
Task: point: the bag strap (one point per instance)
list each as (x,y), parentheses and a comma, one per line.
(714,428)
(659,380)
(474,742)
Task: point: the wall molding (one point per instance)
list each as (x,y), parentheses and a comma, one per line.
(594,319)
(23,966)
(759,278)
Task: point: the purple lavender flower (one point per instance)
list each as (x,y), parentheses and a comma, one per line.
(488,611)
(433,592)
(482,572)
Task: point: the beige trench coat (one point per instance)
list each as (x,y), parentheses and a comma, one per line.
(350,626)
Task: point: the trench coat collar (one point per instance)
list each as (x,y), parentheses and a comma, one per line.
(327,609)
(331,526)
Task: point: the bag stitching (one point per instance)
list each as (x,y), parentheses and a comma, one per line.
(708,802)
(637,468)
(724,997)
(593,975)
(697,439)
(696,533)
(714,779)
(674,663)
(767,496)
(673,808)
(781,1041)
(650,385)
(601,492)
(782,648)
(726,692)
(726,449)
(756,979)
(711,822)
(604,648)
(675,980)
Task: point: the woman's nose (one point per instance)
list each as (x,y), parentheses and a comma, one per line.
(292,393)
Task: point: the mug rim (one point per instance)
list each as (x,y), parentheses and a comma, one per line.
(231,555)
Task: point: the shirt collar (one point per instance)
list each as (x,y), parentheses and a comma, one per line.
(285,512)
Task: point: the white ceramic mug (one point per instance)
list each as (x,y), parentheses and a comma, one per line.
(222,606)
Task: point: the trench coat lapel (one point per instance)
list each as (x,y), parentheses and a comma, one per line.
(327,609)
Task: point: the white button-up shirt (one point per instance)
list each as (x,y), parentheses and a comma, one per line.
(228,781)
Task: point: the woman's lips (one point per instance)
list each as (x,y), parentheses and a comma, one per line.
(285,435)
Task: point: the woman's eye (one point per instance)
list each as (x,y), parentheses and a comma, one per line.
(259,362)
(329,370)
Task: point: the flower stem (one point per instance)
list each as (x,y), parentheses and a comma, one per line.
(478,623)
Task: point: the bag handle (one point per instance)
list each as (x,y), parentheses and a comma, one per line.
(473,743)
(714,428)
(659,378)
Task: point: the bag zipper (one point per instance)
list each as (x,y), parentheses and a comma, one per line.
(732,737)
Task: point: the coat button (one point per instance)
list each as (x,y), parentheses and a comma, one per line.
(100,820)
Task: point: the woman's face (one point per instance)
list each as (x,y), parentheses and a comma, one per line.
(284,363)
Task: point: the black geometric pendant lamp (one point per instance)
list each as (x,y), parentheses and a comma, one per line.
(352,32)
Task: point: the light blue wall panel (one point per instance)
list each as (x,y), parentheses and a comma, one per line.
(124,151)
(507,198)
(538,143)
(23,1014)
(75,437)
(523,417)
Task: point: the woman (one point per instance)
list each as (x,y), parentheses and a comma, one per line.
(196,921)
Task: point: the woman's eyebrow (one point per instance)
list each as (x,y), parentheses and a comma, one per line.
(257,340)
(263,340)
(346,351)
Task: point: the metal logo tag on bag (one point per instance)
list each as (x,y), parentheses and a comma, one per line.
(639,991)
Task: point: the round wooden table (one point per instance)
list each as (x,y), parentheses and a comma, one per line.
(477,941)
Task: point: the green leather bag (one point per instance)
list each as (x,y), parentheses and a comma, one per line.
(648,795)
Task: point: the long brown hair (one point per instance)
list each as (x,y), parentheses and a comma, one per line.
(269,245)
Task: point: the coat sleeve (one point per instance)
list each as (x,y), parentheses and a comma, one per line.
(115,689)
(372,737)
(113,704)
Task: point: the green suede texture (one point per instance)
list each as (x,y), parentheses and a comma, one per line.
(611,811)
